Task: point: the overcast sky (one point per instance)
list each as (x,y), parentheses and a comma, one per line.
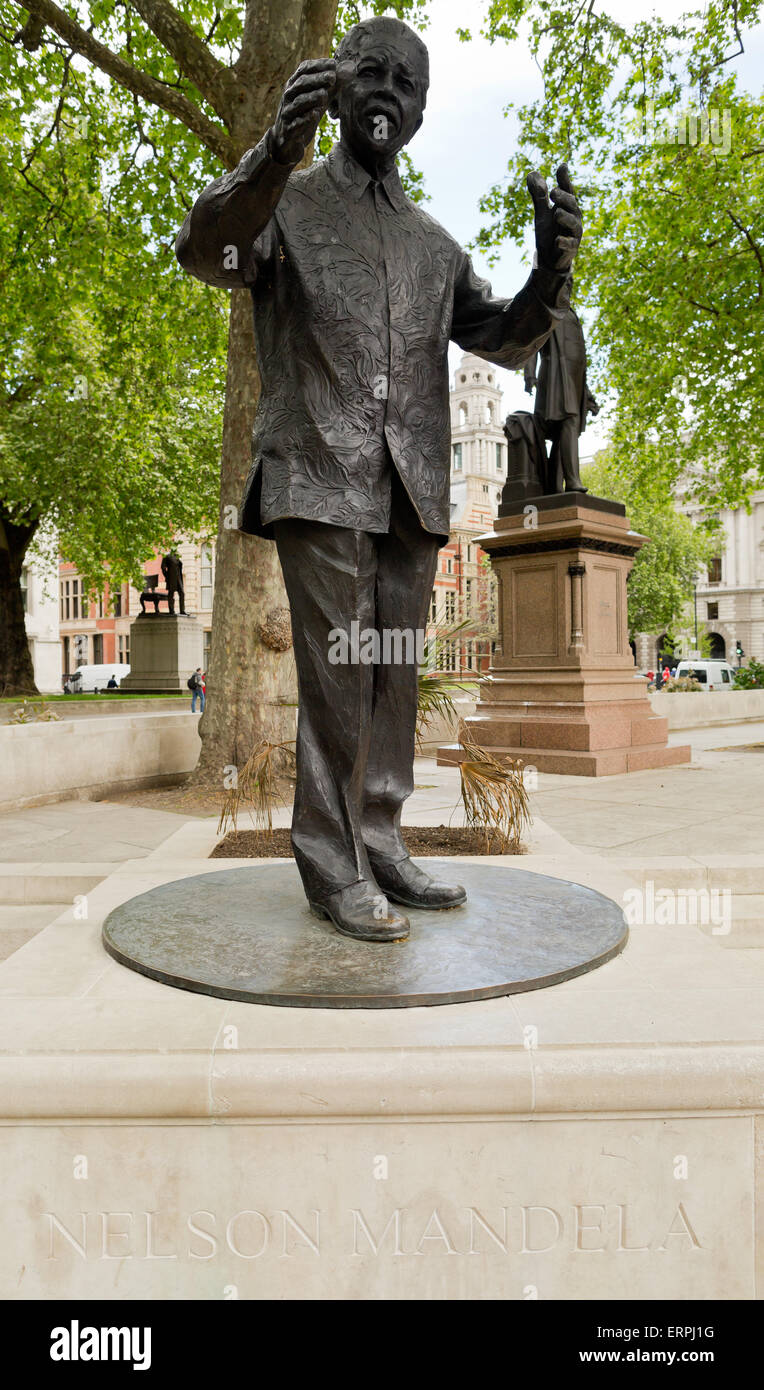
(465,141)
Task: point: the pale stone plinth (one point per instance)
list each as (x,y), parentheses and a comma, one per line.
(164,651)
(594,1140)
(561,693)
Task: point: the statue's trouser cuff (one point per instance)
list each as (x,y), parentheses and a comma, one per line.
(357,719)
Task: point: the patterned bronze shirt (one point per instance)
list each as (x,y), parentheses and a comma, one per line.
(356,293)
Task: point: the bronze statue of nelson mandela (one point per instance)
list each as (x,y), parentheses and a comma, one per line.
(356,294)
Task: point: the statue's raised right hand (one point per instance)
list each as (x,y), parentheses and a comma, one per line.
(306,97)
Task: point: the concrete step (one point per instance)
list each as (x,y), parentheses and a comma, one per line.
(49,883)
(21,921)
(747,925)
(743,873)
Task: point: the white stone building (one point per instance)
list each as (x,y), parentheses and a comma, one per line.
(729,596)
(464,586)
(39,583)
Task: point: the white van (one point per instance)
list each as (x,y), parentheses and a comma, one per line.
(94,678)
(712,675)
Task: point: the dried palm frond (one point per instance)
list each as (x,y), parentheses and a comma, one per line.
(33,713)
(258,784)
(493,794)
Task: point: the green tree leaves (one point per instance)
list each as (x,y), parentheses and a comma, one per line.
(668,156)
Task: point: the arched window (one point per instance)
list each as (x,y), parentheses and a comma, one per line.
(462,414)
(718,647)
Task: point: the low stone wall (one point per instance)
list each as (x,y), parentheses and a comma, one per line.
(85,757)
(697,711)
(109,705)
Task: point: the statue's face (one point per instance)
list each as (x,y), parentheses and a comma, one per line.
(380,96)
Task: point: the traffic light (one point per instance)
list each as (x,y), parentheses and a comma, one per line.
(739,652)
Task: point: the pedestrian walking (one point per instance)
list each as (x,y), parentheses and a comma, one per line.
(195,684)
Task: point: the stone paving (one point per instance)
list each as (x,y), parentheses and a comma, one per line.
(715,804)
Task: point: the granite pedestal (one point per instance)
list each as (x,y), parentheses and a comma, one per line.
(561,694)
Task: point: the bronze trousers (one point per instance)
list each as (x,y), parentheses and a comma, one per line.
(357,718)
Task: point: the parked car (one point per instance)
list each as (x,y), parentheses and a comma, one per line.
(712,675)
(94,678)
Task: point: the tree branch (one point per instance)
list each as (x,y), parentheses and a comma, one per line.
(753,245)
(134,80)
(215,82)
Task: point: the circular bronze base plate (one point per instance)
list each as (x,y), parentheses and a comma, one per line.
(248,934)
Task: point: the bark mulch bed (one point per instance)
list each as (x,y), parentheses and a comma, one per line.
(427,840)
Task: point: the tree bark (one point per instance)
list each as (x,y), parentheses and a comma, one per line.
(250,688)
(16,669)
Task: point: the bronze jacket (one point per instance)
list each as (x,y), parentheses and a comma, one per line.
(356,293)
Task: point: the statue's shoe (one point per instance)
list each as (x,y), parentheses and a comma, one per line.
(406,883)
(363,912)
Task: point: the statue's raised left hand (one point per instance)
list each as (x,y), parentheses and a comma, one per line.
(557,223)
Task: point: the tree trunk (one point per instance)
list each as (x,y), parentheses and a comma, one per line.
(16,669)
(252,689)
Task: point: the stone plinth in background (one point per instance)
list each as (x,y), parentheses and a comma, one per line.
(561,694)
(164,651)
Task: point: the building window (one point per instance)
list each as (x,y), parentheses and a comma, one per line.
(206,648)
(447,656)
(450,598)
(76,599)
(458,458)
(715,570)
(462,414)
(64,600)
(24,586)
(206,578)
(713,610)
(100,607)
(499,462)
(489,413)
(123,648)
(485,487)
(469,551)
(434,608)
(66,650)
(449,565)
(98,649)
(467,593)
(116,600)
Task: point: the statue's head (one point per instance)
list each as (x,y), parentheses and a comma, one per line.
(383,73)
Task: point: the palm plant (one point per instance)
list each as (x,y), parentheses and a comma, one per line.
(493,793)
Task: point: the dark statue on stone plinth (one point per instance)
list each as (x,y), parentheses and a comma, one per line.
(356,292)
(557,373)
(172,570)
